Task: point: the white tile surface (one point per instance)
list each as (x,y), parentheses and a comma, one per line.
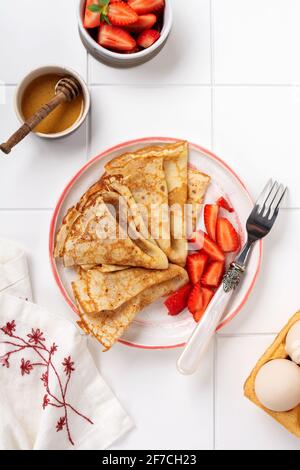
(256,132)
(182,112)
(184,59)
(34,33)
(170,411)
(240,425)
(36,171)
(30,229)
(254,128)
(256,41)
(276,296)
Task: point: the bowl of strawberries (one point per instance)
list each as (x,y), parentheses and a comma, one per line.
(124,33)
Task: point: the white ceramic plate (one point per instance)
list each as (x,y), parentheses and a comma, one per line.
(153,327)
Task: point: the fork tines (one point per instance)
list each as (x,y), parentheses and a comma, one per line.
(270,199)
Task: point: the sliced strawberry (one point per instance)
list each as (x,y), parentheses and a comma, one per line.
(227,237)
(195,265)
(91,19)
(143,23)
(221,202)
(207,295)
(178,300)
(195,302)
(147,38)
(115,38)
(213,274)
(211,212)
(146,6)
(203,242)
(121,14)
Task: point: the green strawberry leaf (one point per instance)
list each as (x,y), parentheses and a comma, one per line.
(105,18)
(95,8)
(104,2)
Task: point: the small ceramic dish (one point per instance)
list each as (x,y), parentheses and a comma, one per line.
(124,60)
(56,69)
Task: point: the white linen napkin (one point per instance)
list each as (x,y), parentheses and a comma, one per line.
(51,394)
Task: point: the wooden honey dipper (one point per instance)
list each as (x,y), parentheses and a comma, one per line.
(66,89)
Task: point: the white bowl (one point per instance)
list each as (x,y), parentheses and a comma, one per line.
(62,71)
(124,60)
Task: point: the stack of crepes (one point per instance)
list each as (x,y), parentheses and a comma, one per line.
(125,267)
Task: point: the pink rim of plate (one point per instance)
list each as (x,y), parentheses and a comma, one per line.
(104,154)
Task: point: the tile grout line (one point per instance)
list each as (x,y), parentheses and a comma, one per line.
(204,85)
(26,209)
(212,81)
(88,121)
(215,357)
(212,76)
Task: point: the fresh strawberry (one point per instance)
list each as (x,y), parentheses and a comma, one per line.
(221,202)
(115,38)
(195,265)
(147,38)
(195,302)
(146,6)
(91,19)
(143,23)
(178,300)
(121,14)
(207,295)
(211,212)
(213,274)
(133,51)
(203,242)
(227,237)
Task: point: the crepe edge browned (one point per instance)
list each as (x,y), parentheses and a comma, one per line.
(289,419)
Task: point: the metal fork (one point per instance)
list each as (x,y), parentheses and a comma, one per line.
(258,225)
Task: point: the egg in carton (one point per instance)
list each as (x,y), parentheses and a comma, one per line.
(278,350)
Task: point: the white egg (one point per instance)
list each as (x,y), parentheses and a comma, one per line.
(277,385)
(292,343)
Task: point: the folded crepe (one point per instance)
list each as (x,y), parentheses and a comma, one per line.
(197,186)
(109,302)
(142,172)
(92,234)
(157,179)
(176,171)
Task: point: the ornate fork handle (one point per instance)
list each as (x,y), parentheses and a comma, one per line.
(232,277)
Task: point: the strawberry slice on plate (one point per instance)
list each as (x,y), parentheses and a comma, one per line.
(121,14)
(195,302)
(207,295)
(91,19)
(203,242)
(146,6)
(178,301)
(115,38)
(211,212)
(147,38)
(213,274)
(195,265)
(227,237)
(221,202)
(143,23)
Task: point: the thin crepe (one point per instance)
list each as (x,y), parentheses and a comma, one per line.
(91,235)
(197,186)
(176,171)
(157,178)
(109,302)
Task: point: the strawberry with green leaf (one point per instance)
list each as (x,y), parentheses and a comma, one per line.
(91,17)
(116,13)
